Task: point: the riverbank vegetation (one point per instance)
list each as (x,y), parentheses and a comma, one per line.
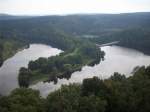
(8,47)
(66,33)
(101,28)
(137,38)
(104,26)
(77,52)
(115,94)
(60,66)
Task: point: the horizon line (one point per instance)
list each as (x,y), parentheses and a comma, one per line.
(86,13)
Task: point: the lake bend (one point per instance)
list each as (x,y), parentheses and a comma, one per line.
(117,59)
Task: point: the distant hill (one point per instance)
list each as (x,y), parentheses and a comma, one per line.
(9,17)
(103,26)
(77,25)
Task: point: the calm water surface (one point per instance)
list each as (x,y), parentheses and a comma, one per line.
(117,59)
(9,70)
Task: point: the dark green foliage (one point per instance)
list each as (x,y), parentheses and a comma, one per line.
(77,52)
(118,77)
(22,100)
(9,46)
(95,24)
(64,100)
(23,77)
(132,30)
(57,30)
(136,38)
(130,94)
(141,89)
(69,99)
(92,104)
(116,94)
(93,86)
(4,104)
(63,65)
(1,57)
(40,63)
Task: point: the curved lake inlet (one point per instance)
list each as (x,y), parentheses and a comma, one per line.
(117,59)
(10,68)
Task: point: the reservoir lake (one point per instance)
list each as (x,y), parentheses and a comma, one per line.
(117,59)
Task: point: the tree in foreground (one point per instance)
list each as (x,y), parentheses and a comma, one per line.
(22,100)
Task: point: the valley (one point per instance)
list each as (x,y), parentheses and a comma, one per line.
(99,61)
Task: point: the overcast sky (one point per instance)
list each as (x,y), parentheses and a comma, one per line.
(50,7)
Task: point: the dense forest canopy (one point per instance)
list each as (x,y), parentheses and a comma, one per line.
(116,94)
(77,36)
(68,33)
(94,24)
(106,27)
(136,38)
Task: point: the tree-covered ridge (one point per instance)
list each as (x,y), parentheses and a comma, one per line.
(9,46)
(80,24)
(77,52)
(116,94)
(136,38)
(108,27)
(18,38)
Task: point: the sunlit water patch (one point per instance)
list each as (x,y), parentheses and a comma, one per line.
(10,68)
(117,59)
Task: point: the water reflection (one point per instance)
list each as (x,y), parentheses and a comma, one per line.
(117,59)
(10,68)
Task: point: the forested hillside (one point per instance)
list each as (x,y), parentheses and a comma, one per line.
(77,36)
(137,38)
(10,17)
(31,31)
(116,94)
(9,46)
(77,52)
(94,24)
(106,27)
(63,32)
